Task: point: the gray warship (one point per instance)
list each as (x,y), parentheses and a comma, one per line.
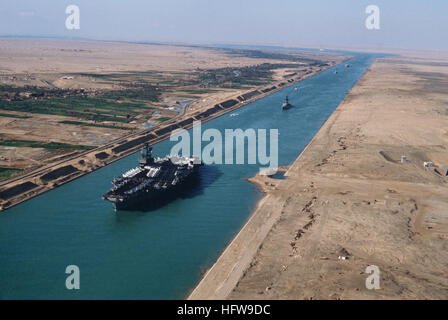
(286,105)
(152,180)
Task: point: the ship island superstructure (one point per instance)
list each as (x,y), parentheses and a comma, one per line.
(151,180)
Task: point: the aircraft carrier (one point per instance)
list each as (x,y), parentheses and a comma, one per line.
(152,180)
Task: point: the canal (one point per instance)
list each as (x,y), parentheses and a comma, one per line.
(159,254)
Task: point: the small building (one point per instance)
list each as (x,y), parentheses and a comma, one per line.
(428,164)
(403,159)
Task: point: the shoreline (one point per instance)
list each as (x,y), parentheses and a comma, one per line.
(87,162)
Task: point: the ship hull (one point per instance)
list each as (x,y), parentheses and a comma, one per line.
(136,201)
(153,199)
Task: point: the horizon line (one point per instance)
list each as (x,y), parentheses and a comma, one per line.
(353,48)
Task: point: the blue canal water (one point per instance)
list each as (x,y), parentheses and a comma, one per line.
(163,253)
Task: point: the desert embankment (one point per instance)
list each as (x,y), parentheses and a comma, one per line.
(349,201)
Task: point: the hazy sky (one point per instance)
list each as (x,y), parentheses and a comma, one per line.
(404,23)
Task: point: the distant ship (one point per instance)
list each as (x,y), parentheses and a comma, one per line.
(151,180)
(286,105)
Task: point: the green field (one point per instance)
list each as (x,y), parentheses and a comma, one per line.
(269,54)
(8,115)
(38,144)
(116,106)
(5,173)
(199,91)
(79,123)
(248,76)
(81,107)
(162,119)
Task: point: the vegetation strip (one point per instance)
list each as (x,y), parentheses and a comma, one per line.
(5,173)
(9,115)
(38,144)
(86,124)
